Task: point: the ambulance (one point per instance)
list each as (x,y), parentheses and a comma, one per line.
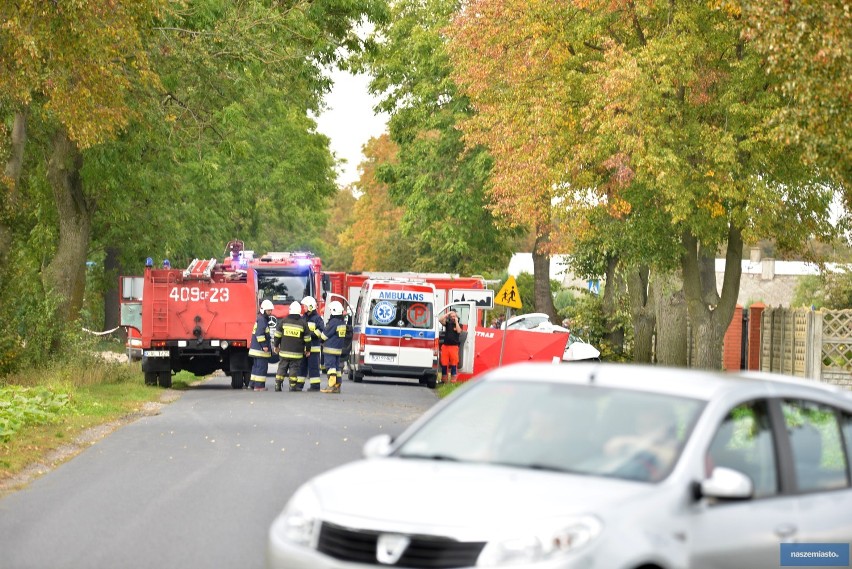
(396,331)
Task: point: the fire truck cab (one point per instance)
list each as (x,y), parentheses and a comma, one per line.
(284,277)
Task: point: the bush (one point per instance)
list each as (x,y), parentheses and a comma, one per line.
(23,406)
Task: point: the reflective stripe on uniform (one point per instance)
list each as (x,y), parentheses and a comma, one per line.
(259,354)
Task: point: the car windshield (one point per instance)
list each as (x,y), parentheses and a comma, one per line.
(284,285)
(564,427)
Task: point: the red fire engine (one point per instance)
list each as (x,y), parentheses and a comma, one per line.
(196,319)
(200,319)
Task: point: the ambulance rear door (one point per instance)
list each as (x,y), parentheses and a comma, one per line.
(467,317)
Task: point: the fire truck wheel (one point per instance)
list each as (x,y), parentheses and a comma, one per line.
(358,376)
(239,379)
(165,379)
(150,378)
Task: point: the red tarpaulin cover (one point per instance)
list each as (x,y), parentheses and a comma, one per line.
(521,346)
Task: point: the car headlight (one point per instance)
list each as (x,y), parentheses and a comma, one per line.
(542,544)
(299,522)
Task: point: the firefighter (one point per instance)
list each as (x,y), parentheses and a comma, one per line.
(310,367)
(260,350)
(292,343)
(336,335)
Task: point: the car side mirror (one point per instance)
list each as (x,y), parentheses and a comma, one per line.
(727,484)
(377,446)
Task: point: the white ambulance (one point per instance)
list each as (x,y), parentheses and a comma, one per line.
(396,332)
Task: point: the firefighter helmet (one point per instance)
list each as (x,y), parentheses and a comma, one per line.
(309,303)
(266,305)
(295,308)
(335,308)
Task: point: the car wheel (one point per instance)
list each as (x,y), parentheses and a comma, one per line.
(150,378)
(164,378)
(237,380)
(358,376)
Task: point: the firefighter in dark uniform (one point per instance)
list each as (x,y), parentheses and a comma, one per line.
(310,368)
(292,342)
(335,337)
(260,350)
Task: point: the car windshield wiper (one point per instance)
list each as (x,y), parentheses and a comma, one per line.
(536,466)
(430,457)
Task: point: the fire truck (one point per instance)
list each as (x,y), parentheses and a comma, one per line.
(197,319)
(200,319)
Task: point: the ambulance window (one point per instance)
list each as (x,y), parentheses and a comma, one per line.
(401,314)
(359,316)
(463,310)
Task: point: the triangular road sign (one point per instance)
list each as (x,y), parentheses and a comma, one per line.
(509,295)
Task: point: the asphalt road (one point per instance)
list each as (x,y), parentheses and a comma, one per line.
(198,485)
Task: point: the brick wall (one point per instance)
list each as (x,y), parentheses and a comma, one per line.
(732,347)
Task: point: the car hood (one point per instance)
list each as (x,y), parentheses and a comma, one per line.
(422,495)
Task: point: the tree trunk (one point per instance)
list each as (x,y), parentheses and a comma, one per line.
(12,178)
(15,164)
(541,277)
(671,320)
(66,273)
(642,310)
(112,270)
(709,323)
(613,286)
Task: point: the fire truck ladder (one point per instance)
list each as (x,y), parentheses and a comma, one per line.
(199,269)
(160,288)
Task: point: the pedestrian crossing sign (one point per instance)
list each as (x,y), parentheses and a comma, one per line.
(509,295)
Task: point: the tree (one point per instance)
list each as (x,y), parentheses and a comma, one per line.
(808,47)
(436,179)
(654,111)
(75,64)
(376,239)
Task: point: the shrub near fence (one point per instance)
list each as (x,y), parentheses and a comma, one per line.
(815,344)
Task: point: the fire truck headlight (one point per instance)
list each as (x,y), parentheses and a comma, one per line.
(224,344)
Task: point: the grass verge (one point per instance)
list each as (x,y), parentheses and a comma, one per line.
(100,394)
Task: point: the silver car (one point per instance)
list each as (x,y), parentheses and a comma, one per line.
(588,465)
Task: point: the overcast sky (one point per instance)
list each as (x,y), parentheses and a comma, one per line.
(350,121)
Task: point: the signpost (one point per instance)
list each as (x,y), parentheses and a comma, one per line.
(509,297)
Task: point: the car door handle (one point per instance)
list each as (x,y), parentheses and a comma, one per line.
(785,530)
(407,337)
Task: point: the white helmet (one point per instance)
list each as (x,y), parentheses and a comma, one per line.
(335,308)
(309,303)
(295,308)
(266,305)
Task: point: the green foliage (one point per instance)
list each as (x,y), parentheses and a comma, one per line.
(810,291)
(24,406)
(831,290)
(439,182)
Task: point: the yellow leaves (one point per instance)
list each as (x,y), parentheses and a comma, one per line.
(730,7)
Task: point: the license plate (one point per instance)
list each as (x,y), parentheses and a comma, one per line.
(156,353)
(383,358)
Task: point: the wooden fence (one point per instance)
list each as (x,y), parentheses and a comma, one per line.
(815,344)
